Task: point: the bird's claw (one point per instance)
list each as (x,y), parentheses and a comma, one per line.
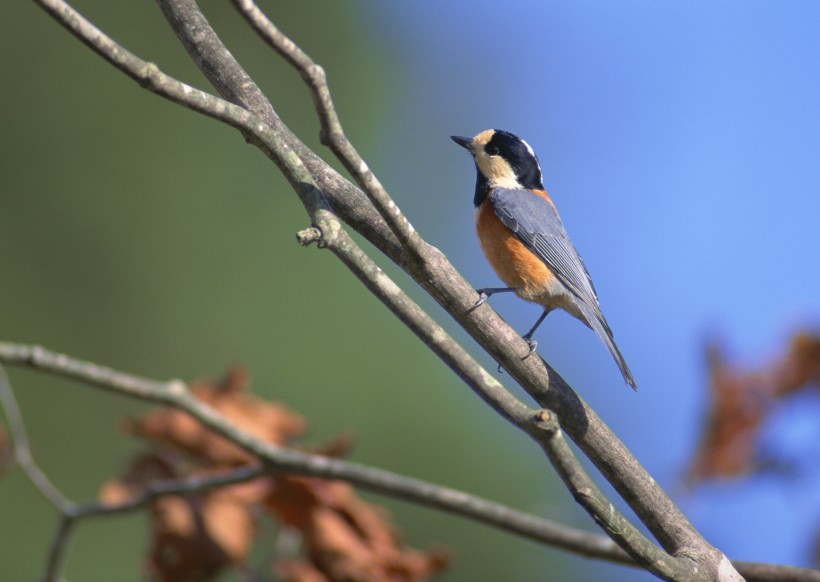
(482,297)
(533,345)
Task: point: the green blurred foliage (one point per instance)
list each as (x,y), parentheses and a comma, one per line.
(145,237)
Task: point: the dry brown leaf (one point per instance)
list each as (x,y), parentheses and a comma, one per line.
(181,548)
(742,401)
(296,571)
(196,536)
(346,538)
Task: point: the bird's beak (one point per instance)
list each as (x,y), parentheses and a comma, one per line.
(465,142)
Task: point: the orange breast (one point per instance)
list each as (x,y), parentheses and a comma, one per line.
(516,265)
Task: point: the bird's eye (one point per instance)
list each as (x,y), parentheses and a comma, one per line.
(491,150)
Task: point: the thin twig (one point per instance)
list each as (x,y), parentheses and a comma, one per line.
(231,81)
(22,455)
(21,447)
(483,511)
(59,547)
(184,485)
(757,572)
(332,133)
(484,384)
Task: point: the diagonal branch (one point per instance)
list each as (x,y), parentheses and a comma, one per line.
(332,133)
(592,499)
(21,447)
(231,81)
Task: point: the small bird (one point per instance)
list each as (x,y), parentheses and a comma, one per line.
(524,240)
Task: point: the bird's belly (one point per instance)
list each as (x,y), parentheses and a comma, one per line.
(519,267)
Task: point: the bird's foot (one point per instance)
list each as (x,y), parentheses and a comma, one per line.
(533,346)
(484,294)
(482,297)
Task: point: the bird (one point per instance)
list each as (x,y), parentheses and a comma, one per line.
(524,240)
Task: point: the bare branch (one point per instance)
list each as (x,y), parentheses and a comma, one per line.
(434,335)
(21,447)
(332,133)
(59,547)
(231,81)
(431,333)
(590,497)
(175,393)
(756,572)
(150,77)
(459,503)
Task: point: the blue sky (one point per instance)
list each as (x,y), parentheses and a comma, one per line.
(681,142)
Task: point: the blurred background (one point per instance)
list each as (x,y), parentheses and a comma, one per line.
(681,142)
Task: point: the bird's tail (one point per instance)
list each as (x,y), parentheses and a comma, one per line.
(598,323)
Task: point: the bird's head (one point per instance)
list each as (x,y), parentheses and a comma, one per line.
(503,160)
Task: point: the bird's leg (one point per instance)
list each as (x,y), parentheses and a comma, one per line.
(484,294)
(528,336)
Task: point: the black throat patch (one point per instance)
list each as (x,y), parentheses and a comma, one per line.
(482,188)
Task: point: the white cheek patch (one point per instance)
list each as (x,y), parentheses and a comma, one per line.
(498,172)
(506,182)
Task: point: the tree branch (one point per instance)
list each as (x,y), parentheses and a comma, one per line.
(231,81)
(175,393)
(590,497)
(22,449)
(332,133)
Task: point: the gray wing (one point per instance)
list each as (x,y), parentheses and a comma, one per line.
(535,223)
